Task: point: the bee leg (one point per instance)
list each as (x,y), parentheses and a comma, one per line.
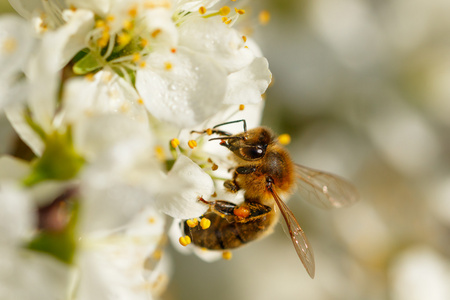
(238,213)
(231,186)
(210,131)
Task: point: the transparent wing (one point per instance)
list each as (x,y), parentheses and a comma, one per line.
(298,237)
(324,189)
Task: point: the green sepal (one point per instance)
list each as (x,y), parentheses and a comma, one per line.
(87,64)
(59,161)
(62,244)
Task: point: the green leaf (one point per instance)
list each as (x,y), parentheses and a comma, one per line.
(59,161)
(87,64)
(62,244)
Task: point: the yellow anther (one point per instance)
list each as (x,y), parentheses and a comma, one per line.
(284,139)
(110,18)
(264,17)
(156,32)
(244,38)
(173,50)
(214,167)
(102,42)
(140,101)
(192,223)
(174,143)
(133,11)
(142,64)
(89,77)
(239,11)
(72,8)
(128,25)
(105,32)
(123,39)
(205,223)
(209,131)
(136,57)
(227,255)
(185,240)
(152,220)
(228,21)
(241,107)
(100,24)
(224,11)
(159,151)
(202,10)
(144,42)
(168,66)
(192,144)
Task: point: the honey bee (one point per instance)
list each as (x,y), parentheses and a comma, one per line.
(266,173)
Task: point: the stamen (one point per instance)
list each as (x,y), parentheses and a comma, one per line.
(241,107)
(160,153)
(192,144)
(100,24)
(156,33)
(128,25)
(244,38)
(157,255)
(168,66)
(214,167)
(174,143)
(133,11)
(227,255)
(110,18)
(173,50)
(9,45)
(239,11)
(140,101)
(152,220)
(264,17)
(284,139)
(205,223)
(142,64)
(224,11)
(202,10)
(136,57)
(89,77)
(123,38)
(144,43)
(209,131)
(185,240)
(192,223)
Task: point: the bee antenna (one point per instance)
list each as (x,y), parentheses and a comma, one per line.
(227,138)
(232,122)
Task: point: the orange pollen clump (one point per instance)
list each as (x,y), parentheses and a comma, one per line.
(227,255)
(156,33)
(241,211)
(239,11)
(185,240)
(209,131)
(192,223)
(202,10)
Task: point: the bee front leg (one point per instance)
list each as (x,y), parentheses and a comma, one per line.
(232,185)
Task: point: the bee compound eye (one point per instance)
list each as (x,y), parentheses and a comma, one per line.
(253,152)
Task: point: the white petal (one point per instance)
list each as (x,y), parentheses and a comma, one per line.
(247,85)
(194,5)
(26,8)
(184,185)
(100,7)
(161,19)
(185,94)
(105,93)
(214,38)
(13,168)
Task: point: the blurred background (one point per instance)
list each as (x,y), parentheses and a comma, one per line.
(363,88)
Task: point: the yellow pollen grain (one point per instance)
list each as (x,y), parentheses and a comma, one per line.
(9,45)
(185,240)
(136,57)
(123,39)
(192,223)
(241,107)
(239,11)
(168,66)
(224,11)
(202,10)
(284,139)
(144,42)
(156,32)
(160,153)
(227,255)
(192,144)
(133,11)
(89,77)
(244,38)
(264,17)
(157,255)
(100,24)
(128,25)
(209,131)
(205,223)
(110,18)
(174,143)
